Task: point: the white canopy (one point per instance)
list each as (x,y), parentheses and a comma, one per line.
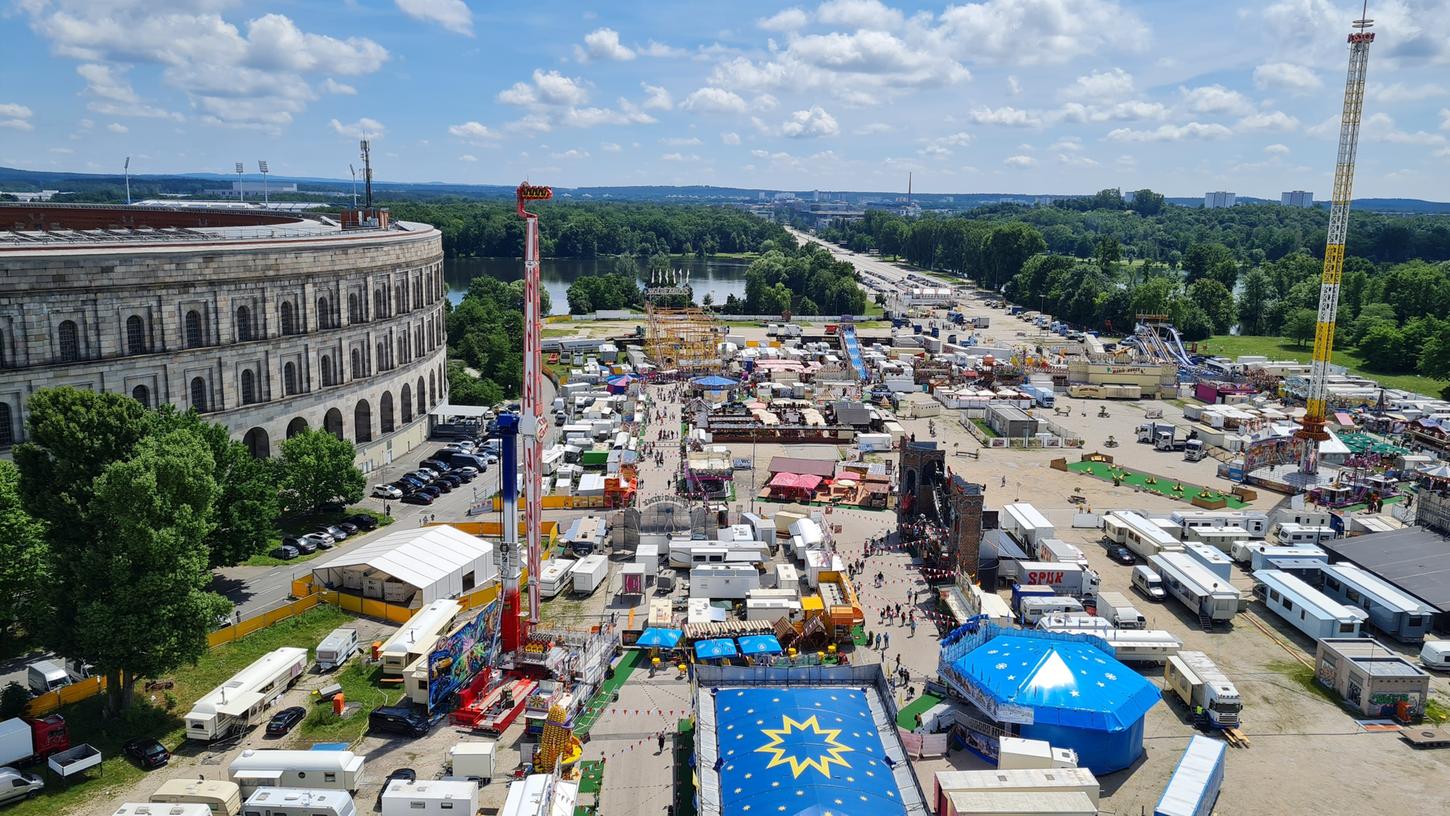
(434,560)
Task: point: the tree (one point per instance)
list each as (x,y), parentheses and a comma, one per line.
(1370,315)
(1435,354)
(1300,325)
(1255,302)
(24,559)
(317,468)
(893,239)
(1006,248)
(141,603)
(13,700)
(1146,202)
(1210,261)
(1384,349)
(1216,303)
(1107,254)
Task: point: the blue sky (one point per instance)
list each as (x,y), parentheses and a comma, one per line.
(991,96)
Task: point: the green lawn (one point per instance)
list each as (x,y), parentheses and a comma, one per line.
(985,429)
(1162,486)
(906,717)
(1280,348)
(359,685)
(158,714)
(874,309)
(307,523)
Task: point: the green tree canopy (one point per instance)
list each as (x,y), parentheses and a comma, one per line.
(317,467)
(24,559)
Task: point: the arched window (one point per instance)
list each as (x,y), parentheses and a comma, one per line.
(324,314)
(422,406)
(399,293)
(380,304)
(194,334)
(418,291)
(135,335)
(289,318)
(249,387)
(198,394)
(418,339)
(407,400)
(357,364)
(382,359)
(332,422)
(142,394)
(289,378)
(402,351)
(354,308)
(244,324)
(385,411)
(69,341)
(326,370)
(432,387)
(7,429)
(362,422)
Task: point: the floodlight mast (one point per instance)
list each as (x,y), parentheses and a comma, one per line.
(241,192)
(262,165)
(127,169)
(353,170)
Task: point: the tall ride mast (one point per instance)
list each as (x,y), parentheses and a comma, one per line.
(532,405)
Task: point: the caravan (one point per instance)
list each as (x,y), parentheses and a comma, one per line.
(263,768)
(336,649)
(299,802)
(240,702)
(416,637)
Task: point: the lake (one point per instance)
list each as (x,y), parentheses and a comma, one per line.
(720,278)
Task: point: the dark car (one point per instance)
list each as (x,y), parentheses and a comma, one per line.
(364,522)
(405,774)
(402,719)
(1122,555)
(285,720)
(442,485)
(451,479)
(431,491)
(291,541)
(348,527)
(417,498)
(305,545)
(148,753)
(284,553)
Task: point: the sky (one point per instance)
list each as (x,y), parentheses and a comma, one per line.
(1022,96)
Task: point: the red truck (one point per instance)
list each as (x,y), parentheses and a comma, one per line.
(24,741)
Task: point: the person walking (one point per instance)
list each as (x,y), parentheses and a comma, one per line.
(660,738)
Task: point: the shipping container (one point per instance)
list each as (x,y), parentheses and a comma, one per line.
(1194,786)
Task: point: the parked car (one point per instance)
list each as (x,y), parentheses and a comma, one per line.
(451,479)
(436,465)
(284,553)
(148,753)
(467,476)
(384,491)
(1121,554)
(16,785)
(348,527)
(364,521)
(306,545)
(337,533)
(285,720)
(400,719)
(441,485)
(322,536)
(431,491)
(409,482)
(291,541)
(405,774)
(417,498)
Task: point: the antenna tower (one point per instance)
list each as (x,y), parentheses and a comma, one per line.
(1317,404)
(367,160)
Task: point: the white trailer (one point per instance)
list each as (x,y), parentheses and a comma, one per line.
(1015,753)
(1060,552)
(554,576)
(1202,685)
(1024,523)
(1210,557)
(474,760)
(1136,645)
(1205,594)
(589,572)
(1144,538)
(429,797)
(1032,610)
(220,797)
(1290,534)
(416,637)
(159,809)
(724,581)
(265,768)
(1222,538)
(1119,611)
(1307,609)
(686,553)
(337,648)
(299,802)
(1193,788)
(1027,780)
(241,701)
(990,604)
(1259,554)
(1255,523)
(818,561)
(1018,803)
(649,556)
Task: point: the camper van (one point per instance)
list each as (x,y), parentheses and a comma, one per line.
(222,798)
(336,649)
(264,768)
(299,802)
(416,637)
(241,701)
(1146,581)
(1290,534)
(1436,654)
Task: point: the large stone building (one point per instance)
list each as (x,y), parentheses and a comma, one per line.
(267,323)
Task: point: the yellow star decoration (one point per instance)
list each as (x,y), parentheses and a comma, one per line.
(797,765)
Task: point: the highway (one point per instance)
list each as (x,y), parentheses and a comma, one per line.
(876,274)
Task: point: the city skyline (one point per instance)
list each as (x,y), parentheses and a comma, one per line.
(1036,96)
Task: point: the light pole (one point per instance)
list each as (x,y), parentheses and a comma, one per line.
(241,193)
(127,170)
(262,165)
(353,170)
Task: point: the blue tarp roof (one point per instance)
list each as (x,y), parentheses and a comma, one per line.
(1067,683)
(711,649)
(759,644)
(800,752)
(666,638)
(714,381)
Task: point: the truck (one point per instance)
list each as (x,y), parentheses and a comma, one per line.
(1075,579)
(1043,395)
(1168,441)
(1148,431)
(1060,552)
(45,676)
(23,742)
(1203,687)
(1024,523)
(1119,611)
(1194,450)
(981,322)
(589,572)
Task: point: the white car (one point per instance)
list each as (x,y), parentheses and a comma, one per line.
(387,491)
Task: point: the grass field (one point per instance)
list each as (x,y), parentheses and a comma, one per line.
(158,714)
(1163,487)
(359,685)
(1280,348)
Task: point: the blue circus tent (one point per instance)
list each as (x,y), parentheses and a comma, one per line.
(714,382)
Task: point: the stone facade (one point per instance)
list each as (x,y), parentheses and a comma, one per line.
(332,330)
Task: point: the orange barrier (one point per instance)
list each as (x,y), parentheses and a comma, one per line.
(554,502)
(75,692)
(247,626)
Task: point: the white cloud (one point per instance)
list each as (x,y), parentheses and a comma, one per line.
(1019,161)
(808,124)
(659,49)
(1445,118)
(1013,86)
(1400,92)
(859,14)
(1269,120)
(1067,143)
(730,138)
(1171,133)
(61,151)
(332,86)
(451,14)
(1076,160)
(679,141)
(1100,86)
(656,98)
(1005,116)
(941,146)
(364,128)
(475,132)
(1215,99)
(1286,76)
(626,114)
(1277,149)
(1129,111)
(679,157)
(1035,32)
(117,127)
(15,117)
(714,100)
(1379,127)
(785,20)
(103,81)
(571,153)
(547,88)
(610,147)
(873,128)
(468,157)
(603,44)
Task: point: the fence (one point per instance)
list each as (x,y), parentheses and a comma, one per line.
(246,626)
(75,692)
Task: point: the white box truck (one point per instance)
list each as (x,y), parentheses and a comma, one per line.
(1024,523)
(589,572)
(1201,685)
(1015,753)
(1119,611)
(1076,580)
(429,797)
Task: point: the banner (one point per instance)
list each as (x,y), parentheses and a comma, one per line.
(458,658)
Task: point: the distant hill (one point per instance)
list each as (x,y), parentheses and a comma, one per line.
(192,184)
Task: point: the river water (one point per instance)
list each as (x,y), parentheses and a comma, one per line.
(720,278)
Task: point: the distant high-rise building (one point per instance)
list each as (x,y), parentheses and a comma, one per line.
(1215,200)
(816,195)
(1297,198)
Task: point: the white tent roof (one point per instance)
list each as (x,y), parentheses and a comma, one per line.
(433,559)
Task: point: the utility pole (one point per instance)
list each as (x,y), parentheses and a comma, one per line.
(241,193)
(127,169)
(353,170)
(262,165)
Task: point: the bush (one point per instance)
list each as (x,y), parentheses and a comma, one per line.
(13,699)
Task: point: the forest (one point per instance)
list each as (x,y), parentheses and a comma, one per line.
(1099,261)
